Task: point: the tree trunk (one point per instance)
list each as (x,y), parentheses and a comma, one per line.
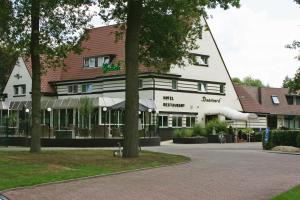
(36,77)
(131,138)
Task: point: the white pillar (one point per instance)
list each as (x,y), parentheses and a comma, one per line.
(90,122)
(109,122)
(74,116)
(99,116)
(118,118)
(58,119)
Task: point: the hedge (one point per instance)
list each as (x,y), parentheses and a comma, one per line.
(282,138)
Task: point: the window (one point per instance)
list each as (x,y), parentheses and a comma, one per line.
(23,89)
(201,60)
(174,84)
(140,83)
(73,89)
(19,89)
(163,121)
(298,100)
(87,88)
(275,100)
(190,121)
(16,90)
(202,87)
(176,121)
(290,100)
(97,61)
(92,62)
(222,89)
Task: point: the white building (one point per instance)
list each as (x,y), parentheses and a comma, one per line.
(180,98)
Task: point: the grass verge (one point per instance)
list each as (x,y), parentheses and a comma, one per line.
(293,194)
(20,168)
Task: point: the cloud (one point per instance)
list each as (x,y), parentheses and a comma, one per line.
(252,43)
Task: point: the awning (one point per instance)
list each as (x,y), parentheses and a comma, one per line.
(144,105)
(234,114)
(69,103)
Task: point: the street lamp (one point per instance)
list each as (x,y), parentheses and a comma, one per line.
(105,116)
(49,110)
(27,120)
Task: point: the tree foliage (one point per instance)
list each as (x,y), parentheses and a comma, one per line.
(169,29)
(40,27)
(248,81)
(165,32)
(292,83)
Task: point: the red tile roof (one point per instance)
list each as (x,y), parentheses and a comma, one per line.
(283,107)
(259,100)
(249,99)
(101,41)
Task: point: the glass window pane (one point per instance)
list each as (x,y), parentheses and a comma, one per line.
(174,121)
(160,121)
(174,84)
(275,100)
(165,122)
(83,87)
(86,62)
(297,100)
(193,121)
(92,62)
(89,87)
(188,122)
(100,61)
(75,88)
(179,121)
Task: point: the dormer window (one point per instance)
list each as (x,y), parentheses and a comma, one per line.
(97,61)
(275,100)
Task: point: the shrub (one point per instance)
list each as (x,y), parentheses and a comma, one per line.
(220,126)
(199,130)
(282,138)
(181,133)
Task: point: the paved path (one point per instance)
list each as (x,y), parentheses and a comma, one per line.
(227,171)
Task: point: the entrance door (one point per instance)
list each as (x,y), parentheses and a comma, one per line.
(210,118)
(272,121)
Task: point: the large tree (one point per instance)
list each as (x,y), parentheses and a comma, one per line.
(48,28)
(159,34)
(249,81)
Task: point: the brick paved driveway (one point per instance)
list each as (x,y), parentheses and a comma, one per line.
(228,171)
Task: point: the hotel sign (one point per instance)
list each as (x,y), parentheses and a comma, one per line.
(110,68)
(171,104)
(211,100)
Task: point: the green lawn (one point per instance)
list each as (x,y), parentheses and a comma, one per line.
(293,194)
(20,168)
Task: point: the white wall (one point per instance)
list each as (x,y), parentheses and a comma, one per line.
(21,69)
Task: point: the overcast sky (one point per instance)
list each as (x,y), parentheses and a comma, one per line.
(252,38)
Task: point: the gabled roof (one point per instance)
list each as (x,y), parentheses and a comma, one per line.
(249,98)
(100,41)
(259,100)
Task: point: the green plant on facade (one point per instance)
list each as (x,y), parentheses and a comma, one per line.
(219,126)
(85,110)
(199,130)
